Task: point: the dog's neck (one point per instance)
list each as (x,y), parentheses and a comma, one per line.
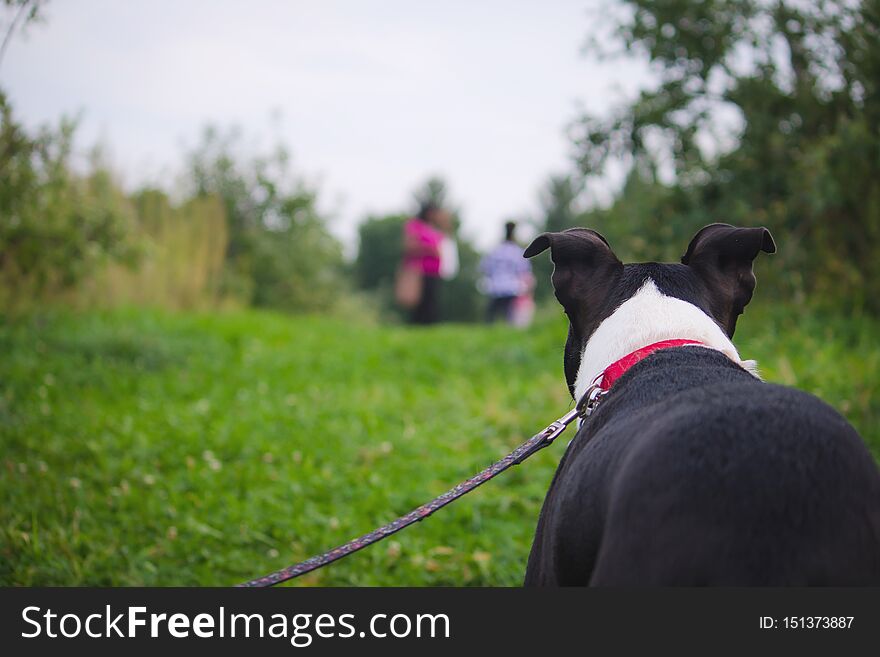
(645,318)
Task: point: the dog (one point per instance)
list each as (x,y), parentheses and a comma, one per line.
(691,471)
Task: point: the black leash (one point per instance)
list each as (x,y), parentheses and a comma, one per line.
(532,445)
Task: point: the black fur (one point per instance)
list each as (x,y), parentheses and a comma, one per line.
(691,471)
(721,255)
(590,282)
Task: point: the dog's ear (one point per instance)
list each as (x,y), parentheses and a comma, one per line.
(722,255)
(584,269)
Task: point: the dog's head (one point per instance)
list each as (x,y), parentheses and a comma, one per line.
(590,282)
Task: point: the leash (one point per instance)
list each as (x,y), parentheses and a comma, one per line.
(534,444)
(584,408)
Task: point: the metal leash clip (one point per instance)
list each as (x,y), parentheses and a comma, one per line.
(553,431)
(591,398)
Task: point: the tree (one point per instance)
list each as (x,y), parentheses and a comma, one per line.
(379,248)
(279,251)
(433,191)
(557,198)
(802,154)
(56,227)
(18,14)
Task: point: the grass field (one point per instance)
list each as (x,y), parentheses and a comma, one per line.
(143,448)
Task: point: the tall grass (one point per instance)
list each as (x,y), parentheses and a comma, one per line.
(182,251)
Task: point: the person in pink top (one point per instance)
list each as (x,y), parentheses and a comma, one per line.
(421,250)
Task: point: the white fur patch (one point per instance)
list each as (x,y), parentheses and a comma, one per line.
(645,318)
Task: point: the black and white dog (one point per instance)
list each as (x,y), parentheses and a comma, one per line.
(691,471)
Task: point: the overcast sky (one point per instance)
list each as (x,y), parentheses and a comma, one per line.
(373,96)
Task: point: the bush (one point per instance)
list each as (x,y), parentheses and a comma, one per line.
(279,252)
(56,227)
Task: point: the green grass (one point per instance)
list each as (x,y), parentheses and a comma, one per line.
(143,448)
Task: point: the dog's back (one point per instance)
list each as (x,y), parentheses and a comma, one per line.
(693,472)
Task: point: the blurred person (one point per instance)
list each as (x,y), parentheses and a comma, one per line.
(507,276)
(523,310)
(448,246)
(418,278)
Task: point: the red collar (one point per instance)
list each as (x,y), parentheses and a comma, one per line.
(617,369)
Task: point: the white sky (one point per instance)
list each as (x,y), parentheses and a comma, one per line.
(374,96)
